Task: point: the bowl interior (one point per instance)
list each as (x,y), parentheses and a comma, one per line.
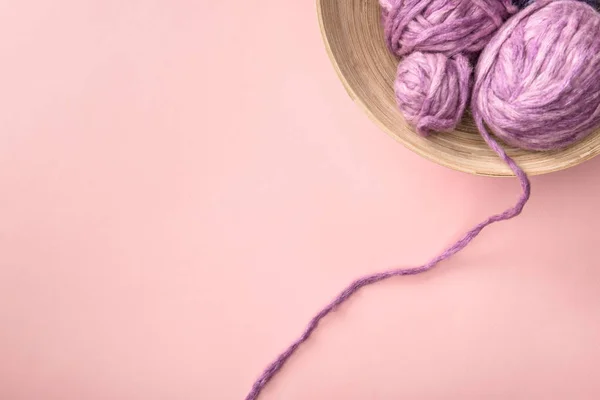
(353,36)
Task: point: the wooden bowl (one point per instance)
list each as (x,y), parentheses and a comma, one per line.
(353,36)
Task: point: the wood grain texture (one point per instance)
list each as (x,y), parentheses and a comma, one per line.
(353,37)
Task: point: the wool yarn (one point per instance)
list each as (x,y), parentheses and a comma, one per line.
(437,38)
(543,62)
(432,90)
(275,366)
(525,3)
(442,26)
(537,83)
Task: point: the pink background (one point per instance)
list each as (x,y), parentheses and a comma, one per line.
(184,184)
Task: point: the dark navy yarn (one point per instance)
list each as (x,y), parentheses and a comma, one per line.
(525,3)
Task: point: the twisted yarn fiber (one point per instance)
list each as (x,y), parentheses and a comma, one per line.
(273,368)
(437,39)
(544,62)
(537,83)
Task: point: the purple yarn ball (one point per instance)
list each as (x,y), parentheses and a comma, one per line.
(537,83)
(432,90)
(438,38)
(442,26)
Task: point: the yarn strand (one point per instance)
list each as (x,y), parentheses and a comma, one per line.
(274,368)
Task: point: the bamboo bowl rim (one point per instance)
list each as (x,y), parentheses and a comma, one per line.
(353,37)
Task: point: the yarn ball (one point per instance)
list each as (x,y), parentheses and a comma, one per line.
(525,3)
(537,83)
(443,26)
(432,90)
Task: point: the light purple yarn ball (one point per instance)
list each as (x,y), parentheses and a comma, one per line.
(442,26)
(537,83)
(432,90)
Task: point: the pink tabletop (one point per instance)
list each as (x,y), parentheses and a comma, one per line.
(184,184)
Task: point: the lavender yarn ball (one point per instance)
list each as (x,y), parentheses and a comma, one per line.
(442,26)
(537,83)
(432,90)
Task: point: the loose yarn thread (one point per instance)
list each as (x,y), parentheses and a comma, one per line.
(489,73)
(512,212)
